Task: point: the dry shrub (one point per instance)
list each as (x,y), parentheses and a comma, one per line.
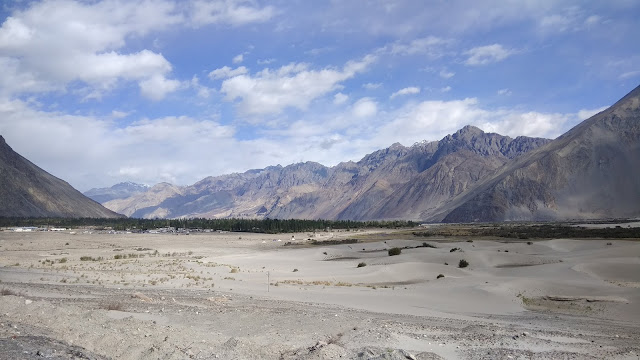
(116,306)
(6,292)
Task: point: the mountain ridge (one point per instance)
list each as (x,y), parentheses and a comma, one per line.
(312,190)
(591,171)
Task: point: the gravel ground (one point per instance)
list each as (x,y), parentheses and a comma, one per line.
(73,322)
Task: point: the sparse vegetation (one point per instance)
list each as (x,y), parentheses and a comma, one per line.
(362,264)
(427,245)
(454,249)
(6,292)
(295,270)
(533,231)
(439,276)
(463,263)
(268,226)
(395,251)
(89,258)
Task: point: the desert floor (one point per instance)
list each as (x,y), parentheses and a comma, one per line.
(248,296)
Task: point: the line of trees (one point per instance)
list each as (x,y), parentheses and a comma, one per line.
(270,226)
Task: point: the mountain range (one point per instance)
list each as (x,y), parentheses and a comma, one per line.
(592,171)
(397,182)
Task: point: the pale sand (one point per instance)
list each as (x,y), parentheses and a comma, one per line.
(207,295)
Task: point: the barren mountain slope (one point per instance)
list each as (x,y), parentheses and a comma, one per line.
(445,169)
(592,171)
(26,190)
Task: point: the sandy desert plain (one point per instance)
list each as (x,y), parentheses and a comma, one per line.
(247,296)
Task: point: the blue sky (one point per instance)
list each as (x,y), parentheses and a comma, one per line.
(103,91)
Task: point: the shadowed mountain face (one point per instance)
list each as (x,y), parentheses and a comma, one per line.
(592,171)
(397,182)
(28,191)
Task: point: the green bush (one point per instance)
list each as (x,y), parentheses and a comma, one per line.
(395,251)
(463,263)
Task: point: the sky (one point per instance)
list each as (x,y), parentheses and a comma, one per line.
(104,91)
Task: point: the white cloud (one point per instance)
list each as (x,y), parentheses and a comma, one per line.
(202,91)
(340,98)
(483,55)
(592,20)
(116,114)
(238,58)
(432,120)
(371,86)
(365,107)
(54,43)
(157,87)
(227,72)
(89,152)
(505,92)
(431,46)
(569,19)
(445,89)
(629,74)
(231,12)
(587,113)
(294,85)
(265,61)
(406,91)
(446,74)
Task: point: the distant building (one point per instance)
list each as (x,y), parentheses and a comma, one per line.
(25,229)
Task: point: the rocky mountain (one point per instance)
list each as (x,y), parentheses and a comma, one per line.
(592,171)
(119,191)
(397,182)
(28,191)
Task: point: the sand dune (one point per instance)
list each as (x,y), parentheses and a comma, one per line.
(582,282)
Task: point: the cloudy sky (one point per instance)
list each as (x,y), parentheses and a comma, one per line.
(102,91)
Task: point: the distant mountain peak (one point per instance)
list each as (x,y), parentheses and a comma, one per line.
(118,191)
(470,129)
